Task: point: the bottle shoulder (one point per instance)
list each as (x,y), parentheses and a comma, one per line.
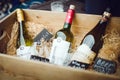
(65,34)
(66,31)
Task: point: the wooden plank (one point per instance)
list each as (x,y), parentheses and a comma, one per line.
(82,23)
(15,68)
(6,25)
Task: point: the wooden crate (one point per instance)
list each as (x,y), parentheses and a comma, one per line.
(13,68)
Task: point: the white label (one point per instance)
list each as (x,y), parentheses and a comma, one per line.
(25,52)
(89,41)
(22,52)
(59,51)
(62,35)
(84,54)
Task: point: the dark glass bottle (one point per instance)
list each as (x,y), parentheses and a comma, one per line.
(92,42)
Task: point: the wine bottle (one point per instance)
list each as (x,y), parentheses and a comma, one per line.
(108,57)
(91,44)
(65,33)
(63,39)
(24,37)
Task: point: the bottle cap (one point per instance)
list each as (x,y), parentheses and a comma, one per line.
(72,7)
(108,9)
(107,12)
(20,15)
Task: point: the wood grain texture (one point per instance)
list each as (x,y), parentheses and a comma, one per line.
(17,69)
(12,68)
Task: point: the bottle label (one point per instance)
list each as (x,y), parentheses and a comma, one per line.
(62,35)
(59,51)
(69,17)
(25,52)
(105,66)
(89,41)
(22,52)
(84,54)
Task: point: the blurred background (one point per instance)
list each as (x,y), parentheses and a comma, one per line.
(82,6)
(7,6)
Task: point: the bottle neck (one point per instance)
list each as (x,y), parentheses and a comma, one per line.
(104,19)
(69,18)
(102,24)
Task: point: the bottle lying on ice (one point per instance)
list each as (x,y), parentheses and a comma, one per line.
(91,44)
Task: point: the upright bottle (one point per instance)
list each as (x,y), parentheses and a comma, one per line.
(65,33)
(91,44)
(63,39)
(24,37)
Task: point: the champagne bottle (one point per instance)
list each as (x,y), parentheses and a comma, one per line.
(91,44)
(63,40)
(24,37)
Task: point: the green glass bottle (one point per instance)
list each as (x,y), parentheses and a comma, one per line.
(65,33)
(63,40)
